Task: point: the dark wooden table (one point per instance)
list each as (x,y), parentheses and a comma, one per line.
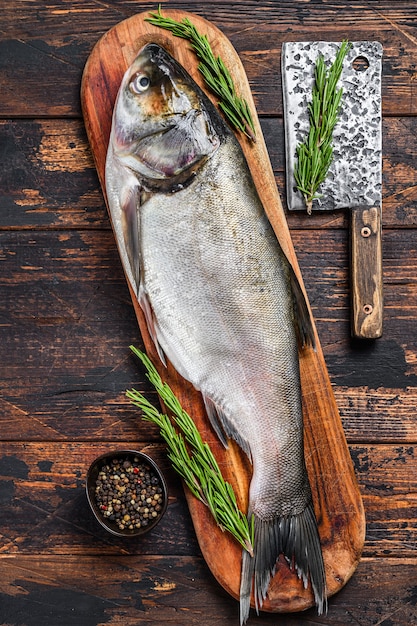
(67,322)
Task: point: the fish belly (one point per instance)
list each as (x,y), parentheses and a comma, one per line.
(218,285)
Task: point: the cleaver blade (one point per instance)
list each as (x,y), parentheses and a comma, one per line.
(354,179)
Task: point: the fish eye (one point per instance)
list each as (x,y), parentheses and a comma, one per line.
(140,83)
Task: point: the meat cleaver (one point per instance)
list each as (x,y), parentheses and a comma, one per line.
(354,179)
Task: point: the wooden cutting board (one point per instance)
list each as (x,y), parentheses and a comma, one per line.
(337,500)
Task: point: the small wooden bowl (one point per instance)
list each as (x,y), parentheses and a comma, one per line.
(137,459)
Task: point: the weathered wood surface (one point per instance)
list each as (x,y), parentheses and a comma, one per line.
(54,39)
(366,272)
(143,590)
(66,322)
(49,178)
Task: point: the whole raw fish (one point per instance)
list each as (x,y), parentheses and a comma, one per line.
(220,298)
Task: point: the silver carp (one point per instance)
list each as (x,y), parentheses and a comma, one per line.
(220,298)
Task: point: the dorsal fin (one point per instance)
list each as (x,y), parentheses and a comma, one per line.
(302,317)
(129,204)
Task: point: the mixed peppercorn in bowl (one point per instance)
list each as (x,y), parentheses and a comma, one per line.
(127,492)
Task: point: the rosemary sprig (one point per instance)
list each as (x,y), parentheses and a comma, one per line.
(214,71)
(316,153)
(199,469)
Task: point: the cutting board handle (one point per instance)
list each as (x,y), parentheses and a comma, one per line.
(366,272)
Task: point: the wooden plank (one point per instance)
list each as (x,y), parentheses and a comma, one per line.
(66,364)
(46,268)
(378,415)
(54,42)
(49,179)
(338,507)
(147,589)
(44,508)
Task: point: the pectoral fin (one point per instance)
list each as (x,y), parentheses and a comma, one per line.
(123,195)
(130,217)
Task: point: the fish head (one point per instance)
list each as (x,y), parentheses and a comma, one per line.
(163,123)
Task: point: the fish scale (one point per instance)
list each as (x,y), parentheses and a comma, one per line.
(220,298)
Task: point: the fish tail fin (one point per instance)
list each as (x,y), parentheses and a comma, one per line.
(297,538)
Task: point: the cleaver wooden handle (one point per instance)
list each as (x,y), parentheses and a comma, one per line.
(366,272)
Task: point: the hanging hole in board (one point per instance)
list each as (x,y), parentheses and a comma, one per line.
(360,64)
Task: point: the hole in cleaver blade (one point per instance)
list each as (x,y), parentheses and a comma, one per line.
(355,175)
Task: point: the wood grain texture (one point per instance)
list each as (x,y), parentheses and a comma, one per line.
(42,488)
(338,505)
(366,272)
(66,321)
(49,178)
(65,34)
(131,590)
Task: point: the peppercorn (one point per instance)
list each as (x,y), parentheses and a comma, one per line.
(120,488)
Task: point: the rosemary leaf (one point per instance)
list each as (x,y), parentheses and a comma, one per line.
(213,69)
(315,155)
(192,458)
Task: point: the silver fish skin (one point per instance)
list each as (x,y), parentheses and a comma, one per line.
(220,298)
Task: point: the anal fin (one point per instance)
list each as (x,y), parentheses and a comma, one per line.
(213,413)
(224,427)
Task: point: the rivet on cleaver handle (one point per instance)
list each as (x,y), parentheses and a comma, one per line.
(366,272)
